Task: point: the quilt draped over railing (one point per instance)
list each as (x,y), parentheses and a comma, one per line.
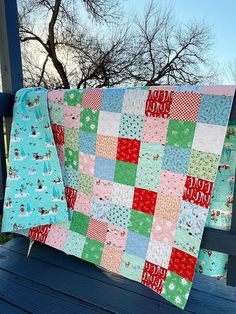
(138,167)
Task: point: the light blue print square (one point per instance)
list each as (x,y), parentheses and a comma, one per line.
(100,210)
(137,245)
(104,168)
(112,100)
(74,244)
(71,177)
(131,126)
(87,142)
(56,114)
(176,159)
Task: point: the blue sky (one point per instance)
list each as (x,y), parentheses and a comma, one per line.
(219,14)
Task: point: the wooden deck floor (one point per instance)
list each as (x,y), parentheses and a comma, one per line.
(51,282)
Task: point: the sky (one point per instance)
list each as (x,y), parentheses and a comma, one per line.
(219,14)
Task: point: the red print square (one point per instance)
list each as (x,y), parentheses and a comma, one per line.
(70,197)
(58,133)
(39,233)
(128,150)
(198,191)
(158,103)
(153,276)
(182,264)
(97,230)
(144,201)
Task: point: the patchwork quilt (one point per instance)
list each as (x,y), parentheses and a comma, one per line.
(138,167)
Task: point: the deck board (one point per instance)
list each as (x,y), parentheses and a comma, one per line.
(66,282)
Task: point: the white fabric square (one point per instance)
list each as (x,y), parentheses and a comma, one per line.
(209,138)
(122,194)
(158,253)
(134,101)
(109,123)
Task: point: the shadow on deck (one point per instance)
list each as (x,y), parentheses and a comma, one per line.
(50,281)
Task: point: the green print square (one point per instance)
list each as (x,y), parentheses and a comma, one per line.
(203,165)
(71,158)
(140,223)
(176,289)
(125,173)
(71,136)
(180,133)
(92,251)
(79,223)
(86,184)
(73,97)
(89,120)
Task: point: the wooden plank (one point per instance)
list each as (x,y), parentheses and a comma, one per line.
(96,292)
(200,301)
(35,298)
(6,104)
(3,170)
(8,308)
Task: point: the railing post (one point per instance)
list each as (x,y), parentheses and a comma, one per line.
(11,71)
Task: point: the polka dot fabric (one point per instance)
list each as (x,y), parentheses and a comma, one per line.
(139,166)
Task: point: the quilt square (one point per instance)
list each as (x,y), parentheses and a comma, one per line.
(159,253)
(137,244)
(56,237)
(70,194)
(185,106)
(39,233)
(134,101)
(214,109)
(106,146)
(158,103)
(209,138)
(180,133)
(116,236)
(93,251)
(71,117)
(82,203)
(171,184)
(131,126)
(92,98)
(104,168)
(73,97)
(56,97)
(122,194)
(100,210)
(71,177)
(176,289)
(182,264)
(198,191)
(140,223)
(71,136)
(74,244)
(89,120)
(86,184)
(112,259)
(144,201)
(176,159)
(132,267)
(128,150)
(119,216)
(56,113)
(154,276)
(58,134)
(167,207)
(203,165)
(155,130)
(86,163)
(87,142)
(112,100)
(79,223)
(97,230)
(109,123)
(125,173)
(163,230)
(102,189)
(71,158)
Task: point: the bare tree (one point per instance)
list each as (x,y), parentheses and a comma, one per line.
(151,50)
(230,72)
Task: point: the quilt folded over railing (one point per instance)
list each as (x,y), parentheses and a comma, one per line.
(138,167)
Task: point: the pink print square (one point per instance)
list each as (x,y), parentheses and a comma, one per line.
(102,189)
(171,184)
(86,163)
(116,236)
(72,116)
(112,259)
(155,130)
(92,98)
(56,237)
(82,203)
(56,97)
(61,154)
(163,230)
